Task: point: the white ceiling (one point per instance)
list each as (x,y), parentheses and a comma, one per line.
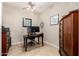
(40,6)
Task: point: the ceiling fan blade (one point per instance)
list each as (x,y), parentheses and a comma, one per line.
(24,7)
(31,4)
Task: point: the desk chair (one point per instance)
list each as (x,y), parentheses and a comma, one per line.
(32,40)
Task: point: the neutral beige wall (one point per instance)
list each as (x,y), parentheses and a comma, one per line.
(12,17)
(51,32)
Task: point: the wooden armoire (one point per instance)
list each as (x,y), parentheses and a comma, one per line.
(69,34)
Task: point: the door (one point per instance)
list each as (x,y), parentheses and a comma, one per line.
(68,35)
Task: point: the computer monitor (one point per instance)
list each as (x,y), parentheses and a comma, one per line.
(35,29)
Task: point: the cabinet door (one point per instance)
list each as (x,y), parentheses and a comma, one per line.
(4,47)
(68,35)
(78,34)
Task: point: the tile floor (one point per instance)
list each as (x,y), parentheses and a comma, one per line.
(37,50)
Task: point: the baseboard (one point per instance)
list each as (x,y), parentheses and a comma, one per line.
(44,42)
(17,43)
(51,44)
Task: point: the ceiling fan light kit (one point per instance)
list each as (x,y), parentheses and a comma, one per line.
(30,6)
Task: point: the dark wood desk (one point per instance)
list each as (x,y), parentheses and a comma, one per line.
(26,37)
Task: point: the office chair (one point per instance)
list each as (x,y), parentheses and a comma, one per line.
(32,40)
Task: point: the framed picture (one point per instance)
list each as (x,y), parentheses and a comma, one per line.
(27,22)
(54,19)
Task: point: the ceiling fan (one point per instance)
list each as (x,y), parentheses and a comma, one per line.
(30,6)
